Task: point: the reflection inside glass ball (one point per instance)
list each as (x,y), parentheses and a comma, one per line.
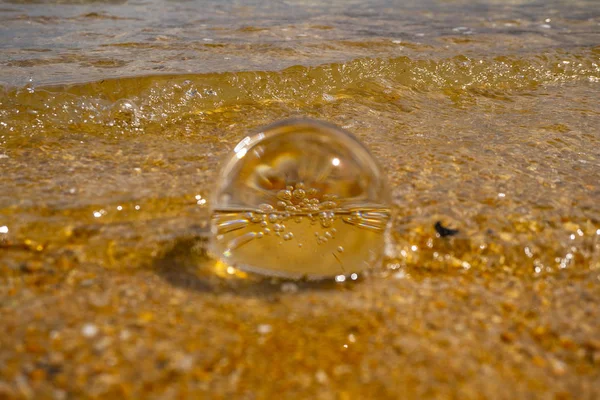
(300,199)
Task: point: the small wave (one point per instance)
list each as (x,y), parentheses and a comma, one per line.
(141,102)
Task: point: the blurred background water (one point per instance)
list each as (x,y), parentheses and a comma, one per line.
(74,41)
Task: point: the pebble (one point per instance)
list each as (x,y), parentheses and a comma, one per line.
(321,377)
(183,363)
(125,334)
(264,329)
(289,287)
(89,330)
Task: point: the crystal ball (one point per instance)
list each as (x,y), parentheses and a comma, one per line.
(300,199)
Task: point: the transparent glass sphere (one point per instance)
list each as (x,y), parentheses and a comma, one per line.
(300,199)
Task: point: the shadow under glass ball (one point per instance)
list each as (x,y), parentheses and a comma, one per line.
(300,199)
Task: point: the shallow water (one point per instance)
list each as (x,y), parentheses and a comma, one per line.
(114,117)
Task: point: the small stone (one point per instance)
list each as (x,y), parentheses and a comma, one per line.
(89,330)
(559,368)
(145,317)
(321,377)
(264,329)
(399,275)
(592,344)
(183,363)
(59,394)
(342,369)
(32,266)
(289,287)
(507,337)
(539,361)
(99,300)
(124,335)
(508,307)
(87,282)
(103,344)
(567,343)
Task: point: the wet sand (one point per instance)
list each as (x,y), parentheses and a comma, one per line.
(105,286)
